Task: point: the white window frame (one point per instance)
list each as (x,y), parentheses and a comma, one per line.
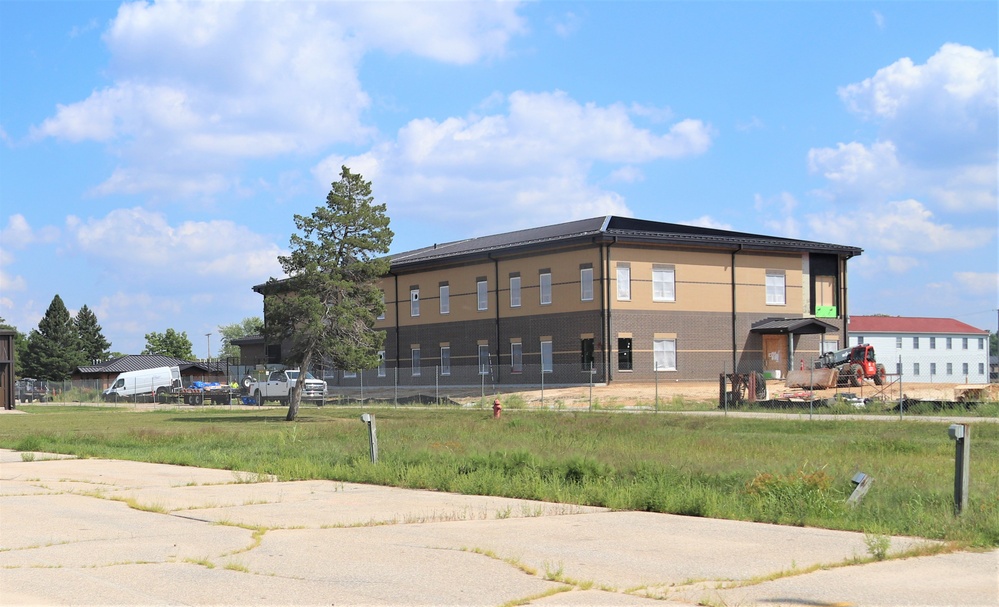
(776,284)
(482,294)
(350,374)
(623,282)
(382,315)
(414,358)
(381,363)
(445,302)
(445,360)
(586,284)
(414,302)
(546,356)
(484,363)
(516,357)
(664,358)
(663,282)
(515,291)
(545,288)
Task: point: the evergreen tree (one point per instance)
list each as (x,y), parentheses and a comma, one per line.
(171,343)
(92,342)
(327,306)
(53,350)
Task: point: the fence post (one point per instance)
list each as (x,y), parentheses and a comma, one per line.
(542,367)
(591,385)
(360,375)
(901,398)
(437,384)
(395,400)
(655,372)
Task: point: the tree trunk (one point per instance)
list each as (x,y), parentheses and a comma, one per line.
(296,393)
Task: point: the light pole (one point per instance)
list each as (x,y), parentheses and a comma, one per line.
(208,336)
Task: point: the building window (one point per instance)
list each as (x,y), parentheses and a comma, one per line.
(915,343)
(981,368)
(950,368)
(415,358)
(382,315)
(586,353)
(445,360)
(775,288)
(350,374)
(515,291)
(445,299)
(898,343)
(482,290)
(483,359)
(546,288)
(829,345)
(624,354)
(586,284)
(623,282)
(915,368)
(414,302)
(516,357)
(964,343)
(381,363)
(933,369)
(860,339)
(663,283)
(950,343)
(546,357)
(964,368)
(665,354)
(981,343)
(898,368)
(933,345)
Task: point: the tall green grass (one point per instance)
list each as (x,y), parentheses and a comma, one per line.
(786,471)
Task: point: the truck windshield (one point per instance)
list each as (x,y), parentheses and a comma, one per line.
(294,375)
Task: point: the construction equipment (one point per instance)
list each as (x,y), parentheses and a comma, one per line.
(854,365)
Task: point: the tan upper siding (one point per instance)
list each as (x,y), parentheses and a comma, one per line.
(564,267)
(704,280)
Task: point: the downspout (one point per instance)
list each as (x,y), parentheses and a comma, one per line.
(846,318)
(605,297)
(396,297)
(498,343)
(734,361)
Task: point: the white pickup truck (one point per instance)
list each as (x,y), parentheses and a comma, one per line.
(279,385)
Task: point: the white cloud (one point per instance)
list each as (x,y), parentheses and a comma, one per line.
(533,161)
(18,234)
(142,247)
(905,226)
(879,19)
(199,86)
(706,221)
(943,111)
(566,24)
(978,283)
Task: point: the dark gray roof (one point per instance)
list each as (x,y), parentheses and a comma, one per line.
(609,229)
(135,362)
(806,326)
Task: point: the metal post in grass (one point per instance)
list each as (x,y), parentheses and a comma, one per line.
(961,435)
(372,436)
(901,398)
(360,377)
(542,384)
(655,372)
(395,399)
(437,384)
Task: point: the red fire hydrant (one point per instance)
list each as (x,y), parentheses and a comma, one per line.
(497,408)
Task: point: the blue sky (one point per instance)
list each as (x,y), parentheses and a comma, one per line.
(153,153)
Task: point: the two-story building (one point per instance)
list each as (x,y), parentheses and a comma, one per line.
(925,349)
(608,299)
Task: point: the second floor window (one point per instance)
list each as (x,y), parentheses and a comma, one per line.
(775,288)
(623,282)
(586,284)
(545,281)
(482,293)
(515,291)
(414,302)
(445,299)
(663,283)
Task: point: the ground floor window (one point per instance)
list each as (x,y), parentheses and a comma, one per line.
(516,357)
(586,353)
(624,357)
(415,357)
(546,357)
(445,360)
(483,359)
(665,354)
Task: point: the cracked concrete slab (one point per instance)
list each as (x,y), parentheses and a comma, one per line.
(89,532)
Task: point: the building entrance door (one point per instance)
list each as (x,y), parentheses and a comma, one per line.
(775,352)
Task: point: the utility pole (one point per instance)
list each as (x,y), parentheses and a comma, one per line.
(208,336)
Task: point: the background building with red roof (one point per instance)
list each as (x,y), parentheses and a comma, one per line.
(925,349)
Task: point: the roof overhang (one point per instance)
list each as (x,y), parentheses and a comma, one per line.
(795,326)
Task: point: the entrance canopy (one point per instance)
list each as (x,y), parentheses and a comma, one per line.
(794,326)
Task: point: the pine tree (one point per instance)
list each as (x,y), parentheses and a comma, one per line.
(94,345)
(53,350)
(326,308)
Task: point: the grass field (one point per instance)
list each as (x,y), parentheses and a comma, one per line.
(787,471)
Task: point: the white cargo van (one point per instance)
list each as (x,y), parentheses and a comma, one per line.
(146,382)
